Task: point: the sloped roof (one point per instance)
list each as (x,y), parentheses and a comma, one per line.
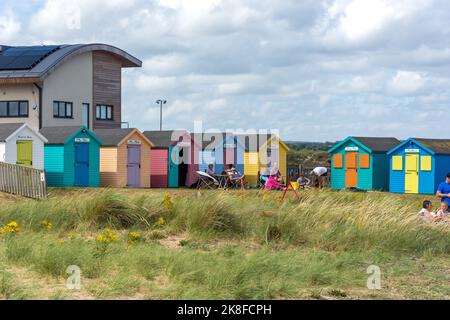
(112,137)
(253,142)
(36,62)
(439,146)
(60,135)
(162,139)
(379,144)
(7,129)
(370,144)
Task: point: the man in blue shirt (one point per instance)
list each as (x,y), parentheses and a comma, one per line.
(443,190)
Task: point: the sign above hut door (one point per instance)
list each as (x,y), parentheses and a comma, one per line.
(134,166)
(25,152)
(411,173)
(81,165)
(351,169)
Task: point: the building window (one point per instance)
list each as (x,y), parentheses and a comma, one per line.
(104,112)
(62,109)
(13,109)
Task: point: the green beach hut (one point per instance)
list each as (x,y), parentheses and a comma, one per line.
(361,162)
(71,157)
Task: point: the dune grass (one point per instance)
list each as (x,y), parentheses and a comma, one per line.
(221,245)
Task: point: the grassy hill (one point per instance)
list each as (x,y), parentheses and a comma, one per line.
(220,245)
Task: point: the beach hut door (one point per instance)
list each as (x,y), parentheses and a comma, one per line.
(351,169)
(25,152)
(81,164)
(412,173)
(174,160)
(134,166)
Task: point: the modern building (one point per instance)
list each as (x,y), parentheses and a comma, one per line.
(361,162)
(63,85)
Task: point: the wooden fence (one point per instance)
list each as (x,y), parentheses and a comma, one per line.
(23,181)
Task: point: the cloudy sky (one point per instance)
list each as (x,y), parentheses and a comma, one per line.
(315,70)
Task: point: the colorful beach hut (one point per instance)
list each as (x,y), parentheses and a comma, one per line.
(174,158)
(262,153)
(124,158)
(220,149)
(21,144)
(361,162)
(418,165)
(71,157)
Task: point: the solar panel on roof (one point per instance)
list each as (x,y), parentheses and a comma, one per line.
(23,58)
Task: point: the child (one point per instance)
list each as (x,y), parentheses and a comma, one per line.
(303,182)
(425,215)
(442,213)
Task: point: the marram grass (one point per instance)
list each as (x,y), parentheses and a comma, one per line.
(215,244)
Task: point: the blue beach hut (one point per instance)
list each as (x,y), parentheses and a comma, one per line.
(418,165)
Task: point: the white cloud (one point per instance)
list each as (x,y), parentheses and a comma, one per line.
(9,28)
(406,83)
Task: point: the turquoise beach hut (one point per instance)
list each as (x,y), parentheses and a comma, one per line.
(361,162)
(71,157)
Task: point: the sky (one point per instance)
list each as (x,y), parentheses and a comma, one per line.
(314,70)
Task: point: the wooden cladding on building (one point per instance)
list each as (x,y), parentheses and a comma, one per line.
(107,74)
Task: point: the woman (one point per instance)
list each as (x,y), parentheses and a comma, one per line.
(234,175)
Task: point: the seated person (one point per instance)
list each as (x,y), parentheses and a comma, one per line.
(442,213)
(303,182)
(425,215)
(235,176)
(210,169)
(264,176)
(273,184)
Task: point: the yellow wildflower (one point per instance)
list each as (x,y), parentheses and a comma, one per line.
(72,235)
(134,237)
(47,225)
(161,221)
(107,236)
(12,227)
(167,202)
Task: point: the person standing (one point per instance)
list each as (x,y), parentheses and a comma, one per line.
(443,190)
(321,174)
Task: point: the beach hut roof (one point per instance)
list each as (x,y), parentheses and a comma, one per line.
(438,146)
(378,144)
(7,129)
(372,144)
(160,139)
(261,140)
(117,136)
(60,135)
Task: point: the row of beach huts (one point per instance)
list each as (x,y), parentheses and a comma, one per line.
(79,157)
(415,165)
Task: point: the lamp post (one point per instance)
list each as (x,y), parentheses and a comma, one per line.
(160,102)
